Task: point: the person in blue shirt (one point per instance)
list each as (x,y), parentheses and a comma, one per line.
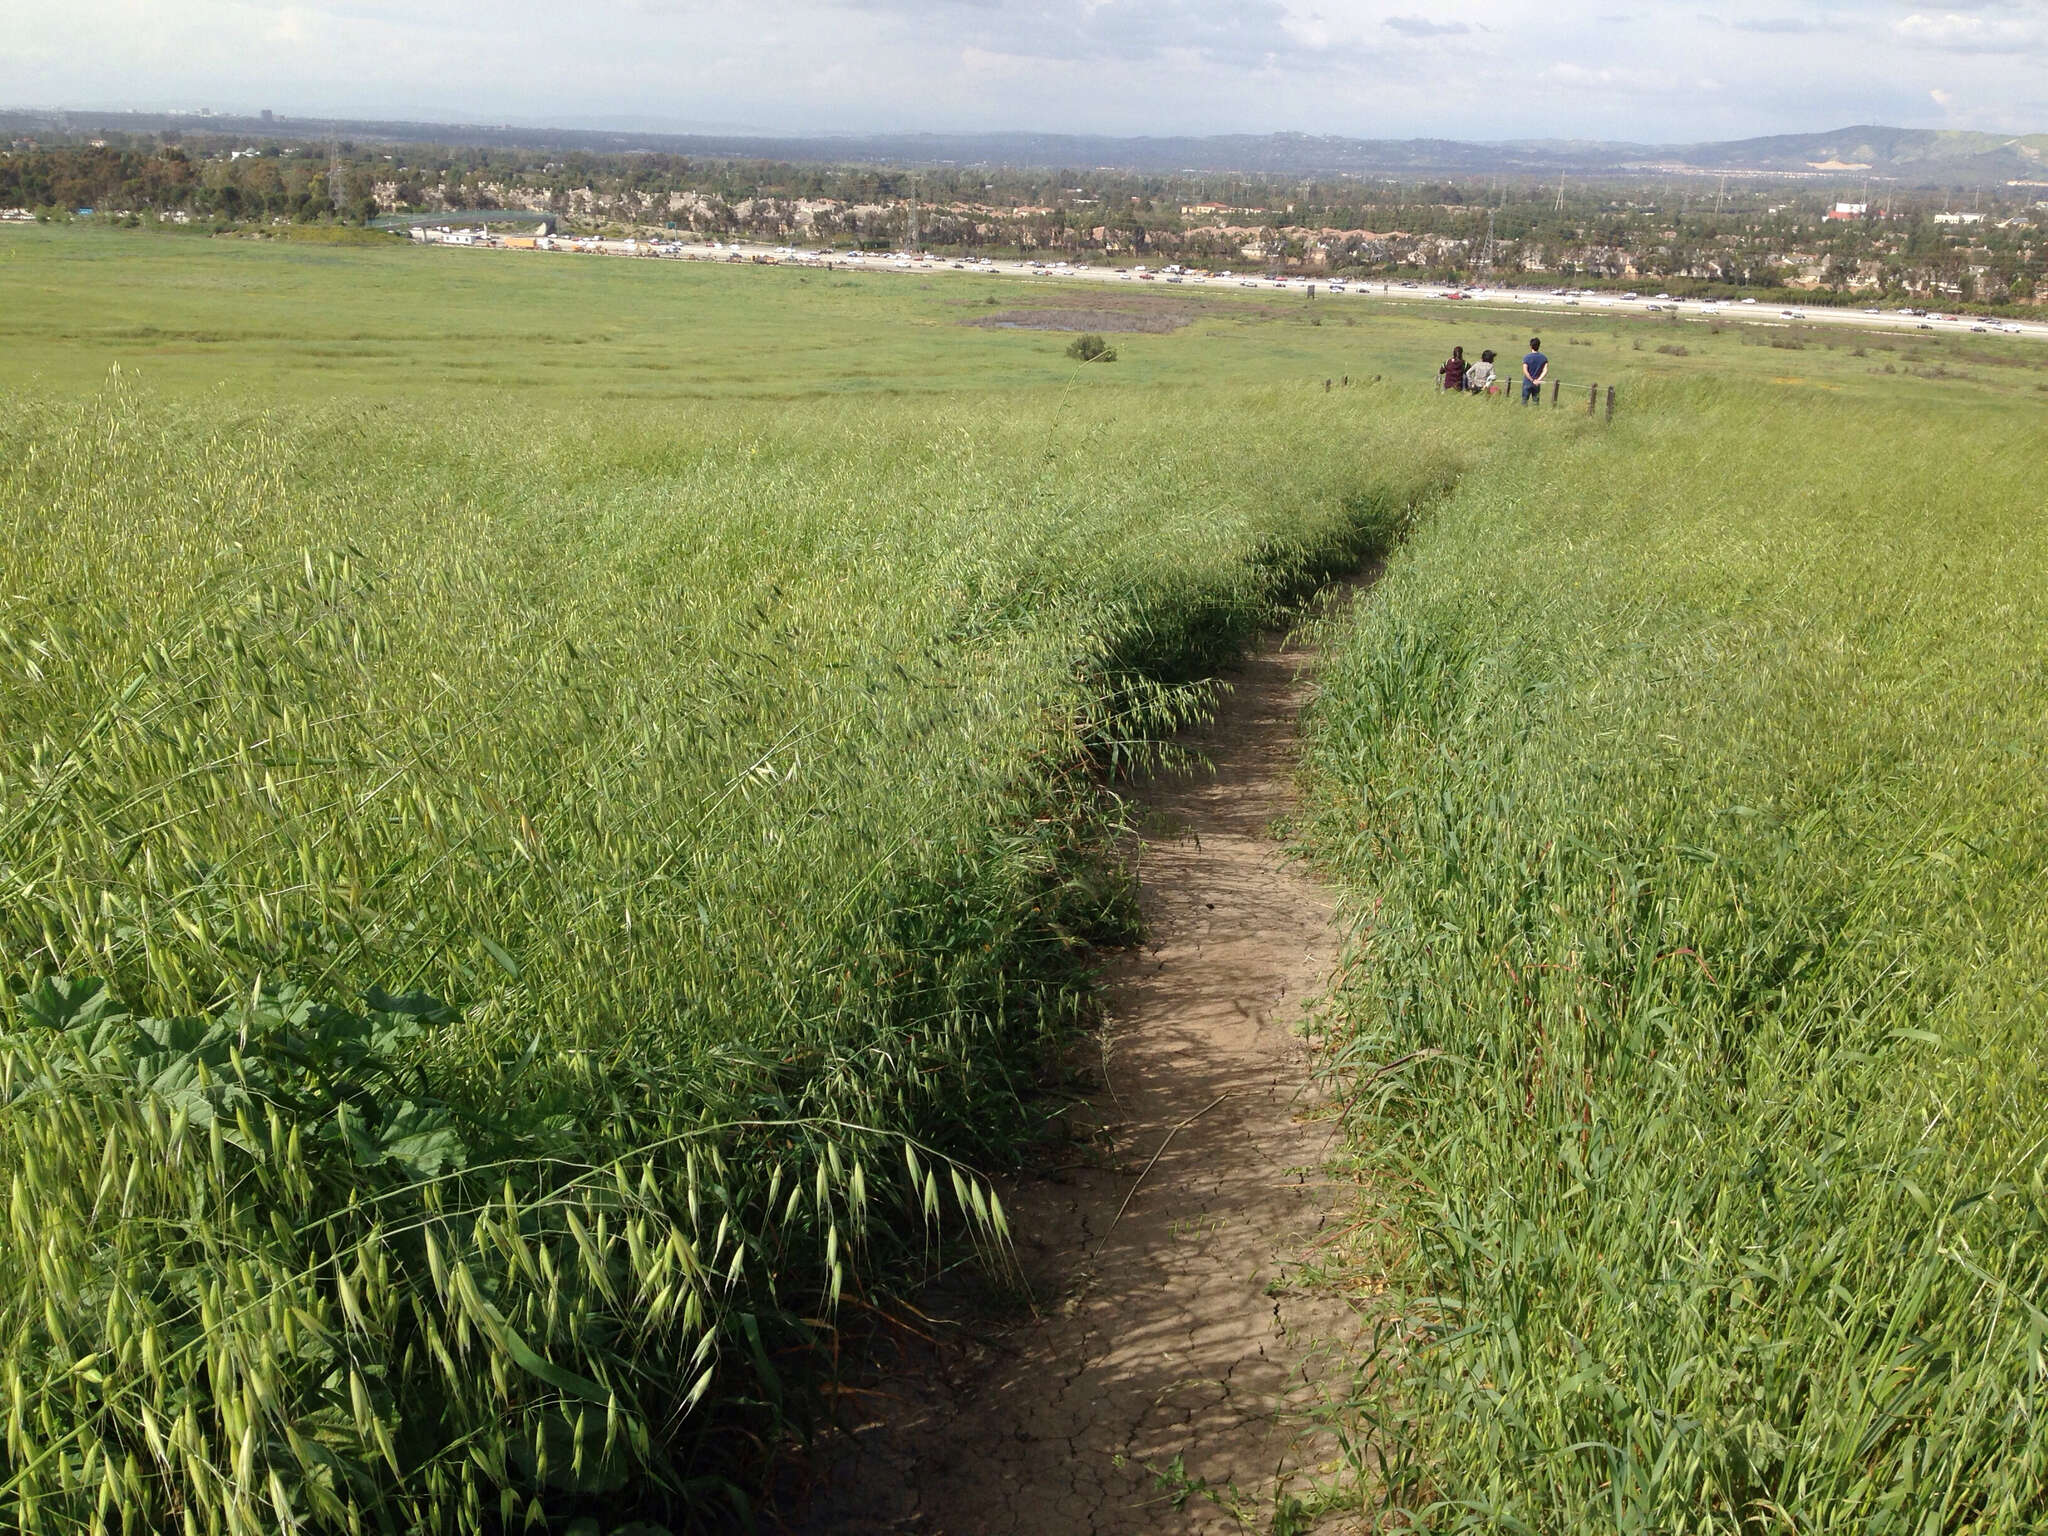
(1534,367)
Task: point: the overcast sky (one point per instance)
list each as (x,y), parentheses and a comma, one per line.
(1457,69)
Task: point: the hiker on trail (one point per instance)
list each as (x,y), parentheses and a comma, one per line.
(1452,373)
(1479,377)
(1534,367)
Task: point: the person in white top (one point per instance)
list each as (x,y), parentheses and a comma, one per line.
(1479,375)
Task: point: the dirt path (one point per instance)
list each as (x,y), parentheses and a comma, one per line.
(1165,1333)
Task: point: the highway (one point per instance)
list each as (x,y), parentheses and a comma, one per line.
(1536,300)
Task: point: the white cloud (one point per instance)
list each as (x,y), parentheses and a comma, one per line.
(1969,34)
(1464,68)
(1422,26)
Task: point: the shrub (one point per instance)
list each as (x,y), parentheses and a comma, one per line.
(1091,348)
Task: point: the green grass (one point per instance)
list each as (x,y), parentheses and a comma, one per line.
(1686,782)
(492,900)
(270,321)
(550,808)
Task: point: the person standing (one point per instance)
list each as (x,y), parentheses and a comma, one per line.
(1535,367)
(1452,375)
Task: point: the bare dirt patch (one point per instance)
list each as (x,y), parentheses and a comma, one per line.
(1153,319)
(1161,1378)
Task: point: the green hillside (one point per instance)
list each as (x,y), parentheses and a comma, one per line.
(554,812)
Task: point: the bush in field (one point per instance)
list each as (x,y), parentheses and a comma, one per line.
(503,921)
(1091,349)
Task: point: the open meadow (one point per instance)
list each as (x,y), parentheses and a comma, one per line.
(1687,785)
(553,810)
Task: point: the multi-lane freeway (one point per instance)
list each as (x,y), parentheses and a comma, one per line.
(1561,300)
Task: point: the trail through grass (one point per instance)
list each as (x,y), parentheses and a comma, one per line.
(549,808)
(492,906)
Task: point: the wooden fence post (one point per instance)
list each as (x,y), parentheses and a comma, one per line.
(1556,388)
(1592,399)
(1610,402)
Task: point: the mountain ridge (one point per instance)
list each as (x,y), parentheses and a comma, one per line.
(1914,156)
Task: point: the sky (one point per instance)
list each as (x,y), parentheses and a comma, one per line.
(1469,69)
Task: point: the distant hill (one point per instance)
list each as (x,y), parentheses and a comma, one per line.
(1921,155)
(1916,156)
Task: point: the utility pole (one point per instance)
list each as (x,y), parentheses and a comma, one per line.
(1560,191)
(1720,193)
(1486,255)
(337,178)
(913,215)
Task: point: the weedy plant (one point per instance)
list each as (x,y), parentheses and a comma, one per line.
(508,917)
(1686,780)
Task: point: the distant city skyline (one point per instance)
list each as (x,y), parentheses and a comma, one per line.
(1471,69)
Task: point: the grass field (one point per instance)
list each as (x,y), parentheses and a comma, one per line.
(550,807)
(1687,784)
(271,320)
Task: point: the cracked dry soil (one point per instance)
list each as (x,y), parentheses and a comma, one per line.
(1164,1330)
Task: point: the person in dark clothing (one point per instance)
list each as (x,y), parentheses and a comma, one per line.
(1534,367)
(1453,372)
